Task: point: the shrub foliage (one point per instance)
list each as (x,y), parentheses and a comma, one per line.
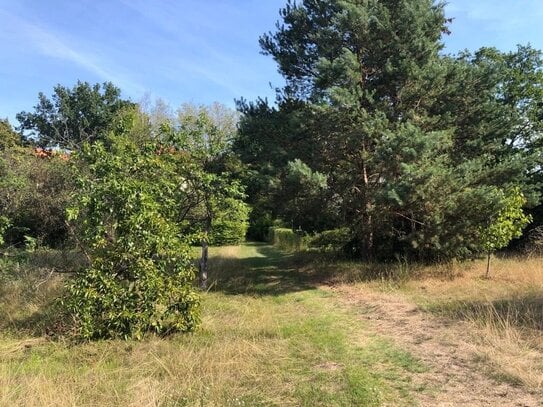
(287,239)
(34,194)
(141,275)
(335,240)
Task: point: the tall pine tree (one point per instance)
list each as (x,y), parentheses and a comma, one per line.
(412,143)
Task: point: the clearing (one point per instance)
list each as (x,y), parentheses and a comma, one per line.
(279,329)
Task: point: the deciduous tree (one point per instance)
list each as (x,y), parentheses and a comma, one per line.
(73,116)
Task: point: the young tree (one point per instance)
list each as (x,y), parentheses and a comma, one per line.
(218,214)
(506,225)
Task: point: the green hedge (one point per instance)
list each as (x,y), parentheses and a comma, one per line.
(334,240)
(286,239)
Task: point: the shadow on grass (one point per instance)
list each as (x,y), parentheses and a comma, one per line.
(29,306)
(45,322)
(521,311)
(270,272)
(273,272)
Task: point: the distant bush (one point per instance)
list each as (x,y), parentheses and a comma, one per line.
(228,232)
(287,239)
(259,225)
(334,240)
(230,224)
(34,194)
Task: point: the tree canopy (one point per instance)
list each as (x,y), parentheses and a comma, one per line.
(73,116)
(413,144)
(8,136)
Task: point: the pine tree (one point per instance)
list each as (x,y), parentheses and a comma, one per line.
(415,146)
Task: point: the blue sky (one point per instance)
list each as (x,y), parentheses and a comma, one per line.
(188,50)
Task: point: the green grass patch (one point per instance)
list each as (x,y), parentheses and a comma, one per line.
(269,337)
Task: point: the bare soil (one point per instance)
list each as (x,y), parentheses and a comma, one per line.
(455,377)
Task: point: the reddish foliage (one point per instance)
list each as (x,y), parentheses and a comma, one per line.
(44,153)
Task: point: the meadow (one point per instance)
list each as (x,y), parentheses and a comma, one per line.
(288,329)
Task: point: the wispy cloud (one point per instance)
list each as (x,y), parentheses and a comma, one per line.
(211,51)
(51,44)
(504,14)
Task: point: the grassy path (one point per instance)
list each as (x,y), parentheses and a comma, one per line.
(460,377)
(269,337)
(300,348)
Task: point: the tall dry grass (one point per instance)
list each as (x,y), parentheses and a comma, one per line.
(265,339)
(505,311)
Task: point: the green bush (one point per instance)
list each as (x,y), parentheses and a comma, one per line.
(228,232)
(158,298)
(141,274)
(229,227)
(4,225)
(286,239)
(334,240)
(259,225)
(34,194)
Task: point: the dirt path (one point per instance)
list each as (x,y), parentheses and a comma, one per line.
(441,345)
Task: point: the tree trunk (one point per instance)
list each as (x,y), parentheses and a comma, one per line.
(487,265)
(202,271)
(369,242)
(368,219)
(202,267)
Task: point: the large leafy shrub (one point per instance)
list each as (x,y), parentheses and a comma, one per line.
(141,275)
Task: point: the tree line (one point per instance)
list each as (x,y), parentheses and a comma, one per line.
(415,152)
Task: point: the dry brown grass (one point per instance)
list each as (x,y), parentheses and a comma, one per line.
(467,280)
(27,300)
(505,311)
(262,346)
(225,363)
(211,367)
(271,336)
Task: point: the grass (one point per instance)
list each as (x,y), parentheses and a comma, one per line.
(503,313)
(269,336)
(28,288)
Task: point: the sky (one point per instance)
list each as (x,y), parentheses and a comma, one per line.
(189,50)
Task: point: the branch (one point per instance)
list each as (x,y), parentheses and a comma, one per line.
(409,219)
(78,242)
